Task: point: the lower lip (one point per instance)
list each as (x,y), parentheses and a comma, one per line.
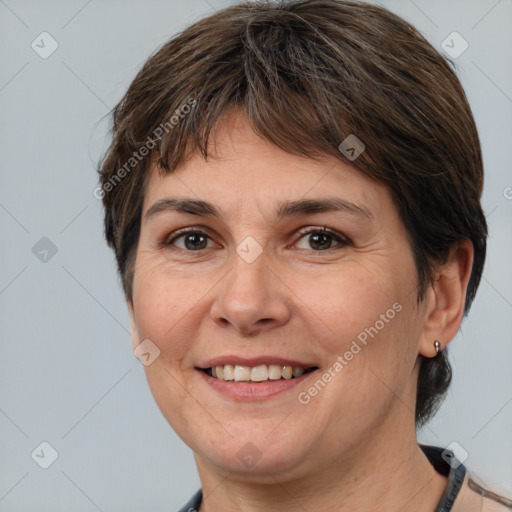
(253,391)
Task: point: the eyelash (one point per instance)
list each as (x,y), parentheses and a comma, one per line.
(342,241)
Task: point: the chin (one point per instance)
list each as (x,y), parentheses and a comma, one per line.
(252,458)
(264,471)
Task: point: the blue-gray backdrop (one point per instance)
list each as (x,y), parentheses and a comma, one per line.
(68,376)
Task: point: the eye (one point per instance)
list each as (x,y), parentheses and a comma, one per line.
(194,239)
(320,239)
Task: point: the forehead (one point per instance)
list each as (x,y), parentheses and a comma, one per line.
(244,169)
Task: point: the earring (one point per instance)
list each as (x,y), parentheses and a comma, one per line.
(437,345)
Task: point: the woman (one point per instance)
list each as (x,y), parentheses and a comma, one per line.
(292,193)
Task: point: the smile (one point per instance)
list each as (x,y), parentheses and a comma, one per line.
(259,373)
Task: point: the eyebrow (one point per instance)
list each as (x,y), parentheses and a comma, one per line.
(284,210)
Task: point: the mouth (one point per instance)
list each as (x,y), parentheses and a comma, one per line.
(257,374)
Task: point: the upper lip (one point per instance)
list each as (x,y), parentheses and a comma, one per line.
(254,361)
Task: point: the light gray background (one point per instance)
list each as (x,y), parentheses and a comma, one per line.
(67,372)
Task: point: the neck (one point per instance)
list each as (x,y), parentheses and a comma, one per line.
(376,476)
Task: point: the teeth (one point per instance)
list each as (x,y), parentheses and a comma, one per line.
(228,372)
(242,373)
(274,372)
(297,371)
(286,372)
(260,373)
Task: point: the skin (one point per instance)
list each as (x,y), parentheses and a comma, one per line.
(353,446)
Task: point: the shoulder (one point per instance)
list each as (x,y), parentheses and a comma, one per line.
(463,492)
(474,497)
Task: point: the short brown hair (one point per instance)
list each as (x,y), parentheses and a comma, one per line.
(309,73)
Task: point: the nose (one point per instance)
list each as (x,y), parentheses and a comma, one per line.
(251,298)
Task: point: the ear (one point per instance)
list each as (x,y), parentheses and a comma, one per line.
(446,297)
(133,326)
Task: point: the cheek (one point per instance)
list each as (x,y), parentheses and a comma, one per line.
(163,305)
(346,302)
(362,320)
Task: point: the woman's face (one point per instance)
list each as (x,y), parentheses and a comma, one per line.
(254,288)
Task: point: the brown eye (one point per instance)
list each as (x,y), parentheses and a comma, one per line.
(322,239)
(192,240)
